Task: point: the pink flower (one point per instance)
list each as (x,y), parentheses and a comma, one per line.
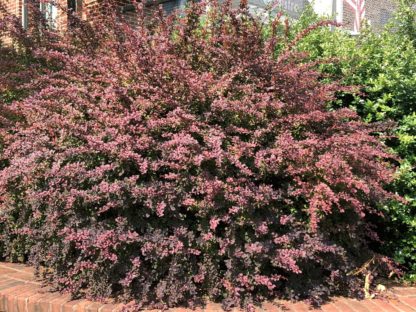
(160,209)
(213,223)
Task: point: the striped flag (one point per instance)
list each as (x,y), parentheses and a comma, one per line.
(359,9)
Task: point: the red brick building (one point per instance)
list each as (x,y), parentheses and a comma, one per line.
(56,17)
(87,9)
(378,12)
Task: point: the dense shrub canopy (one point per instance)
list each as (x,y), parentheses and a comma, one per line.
(383,64)
(181,158)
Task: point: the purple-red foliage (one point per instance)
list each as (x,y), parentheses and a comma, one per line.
(170,161)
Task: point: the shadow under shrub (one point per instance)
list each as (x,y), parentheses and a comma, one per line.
(181,159)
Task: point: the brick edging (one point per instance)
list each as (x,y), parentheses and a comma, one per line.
(20,292)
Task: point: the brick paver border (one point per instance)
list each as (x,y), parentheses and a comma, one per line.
(20,292)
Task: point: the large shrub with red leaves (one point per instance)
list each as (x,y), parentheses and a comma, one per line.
(182,159)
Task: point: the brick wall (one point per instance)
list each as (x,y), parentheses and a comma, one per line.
(87,9)
(9,7)
(378,12)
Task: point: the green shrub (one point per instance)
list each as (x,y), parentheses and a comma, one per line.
(383,64)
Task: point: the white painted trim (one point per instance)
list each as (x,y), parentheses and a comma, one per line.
(340,11)
(24,13)
(50,10)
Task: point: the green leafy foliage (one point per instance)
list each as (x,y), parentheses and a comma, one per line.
(383,64)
